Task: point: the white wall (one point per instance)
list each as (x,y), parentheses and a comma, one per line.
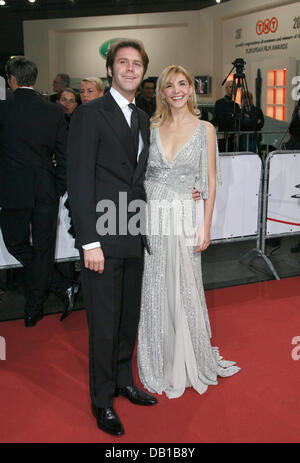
(203,41)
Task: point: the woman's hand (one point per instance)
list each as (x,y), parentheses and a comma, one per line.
(202,238)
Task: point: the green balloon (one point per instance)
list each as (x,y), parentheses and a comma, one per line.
(103,49)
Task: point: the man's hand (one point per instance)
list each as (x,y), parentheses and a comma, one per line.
(196,194)
(94,259)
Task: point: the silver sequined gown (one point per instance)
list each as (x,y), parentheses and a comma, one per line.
(174,349)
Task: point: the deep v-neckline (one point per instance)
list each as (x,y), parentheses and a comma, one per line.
(161,148)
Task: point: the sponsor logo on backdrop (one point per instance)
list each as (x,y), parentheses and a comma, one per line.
(103,49)
(266,26)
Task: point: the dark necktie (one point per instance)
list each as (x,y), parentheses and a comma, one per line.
(135,128)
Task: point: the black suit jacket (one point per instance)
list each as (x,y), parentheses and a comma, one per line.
(224,110)
(32,130)
(99,169)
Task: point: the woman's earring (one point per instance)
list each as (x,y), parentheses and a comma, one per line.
(163,100)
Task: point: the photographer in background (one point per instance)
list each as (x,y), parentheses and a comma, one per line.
(225,110)
(252,120)
(294,130)
(294,144)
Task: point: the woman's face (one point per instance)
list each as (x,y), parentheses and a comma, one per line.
(89,91)
(68,102)
(177,91)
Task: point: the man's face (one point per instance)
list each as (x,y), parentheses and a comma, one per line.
(148,90)
(68,102)
(127,72)
(57,84)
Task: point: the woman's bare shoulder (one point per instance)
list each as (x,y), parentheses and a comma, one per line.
(210,128)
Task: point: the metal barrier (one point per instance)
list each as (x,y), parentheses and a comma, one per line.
(246,203)
(284,181)
(264,141)
(289,178)
(259,199)
(258,250)
(235,215)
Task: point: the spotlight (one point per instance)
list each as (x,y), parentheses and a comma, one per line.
(31,1)
(2,2)
(218,1)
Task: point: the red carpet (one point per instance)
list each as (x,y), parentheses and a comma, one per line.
(44,379)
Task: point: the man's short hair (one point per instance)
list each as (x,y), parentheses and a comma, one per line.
(111,54)
(24,70)
(65,78)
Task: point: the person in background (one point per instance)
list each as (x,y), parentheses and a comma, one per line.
(294,130)
(60,82)
(145,99)
(67,100)
(65,280)
(225,110)
(32,132)
(91,88)
(252,120)
(294,144)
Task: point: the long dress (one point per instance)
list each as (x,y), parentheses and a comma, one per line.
(174,349)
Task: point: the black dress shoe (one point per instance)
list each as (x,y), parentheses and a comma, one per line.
(108,421)
(31,320)
(135,395)
(70,296)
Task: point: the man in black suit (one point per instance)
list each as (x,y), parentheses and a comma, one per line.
(146,99)
(32,132)
(60,82)
(226,113)
(107,156)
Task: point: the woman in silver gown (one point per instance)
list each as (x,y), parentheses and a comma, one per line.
(174,349)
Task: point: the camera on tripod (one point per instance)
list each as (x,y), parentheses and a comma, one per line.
(239,65)
(239,83)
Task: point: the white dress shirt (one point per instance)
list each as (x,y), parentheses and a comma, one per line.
(123,103)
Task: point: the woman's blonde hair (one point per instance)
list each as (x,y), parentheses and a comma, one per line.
(96,81)
(163,111)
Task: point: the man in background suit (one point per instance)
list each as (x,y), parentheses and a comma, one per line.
(60,82)
(107,156)
(226,111)
(32,131)
(146,98)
